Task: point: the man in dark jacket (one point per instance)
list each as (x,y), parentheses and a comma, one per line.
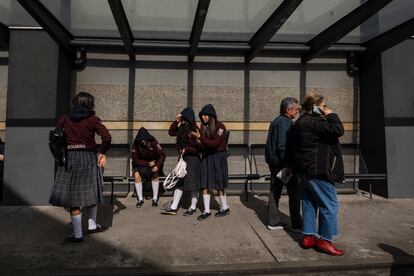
(278,157)
(318,161)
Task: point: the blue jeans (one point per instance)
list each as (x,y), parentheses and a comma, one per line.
(319,195)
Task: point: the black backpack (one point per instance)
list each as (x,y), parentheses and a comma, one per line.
(57,145)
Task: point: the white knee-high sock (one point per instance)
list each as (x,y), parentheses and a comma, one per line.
(176,199)
(223,200)
(206,199)
(155,188)
(194,199)
(92,212)
(77,225)
(138,187)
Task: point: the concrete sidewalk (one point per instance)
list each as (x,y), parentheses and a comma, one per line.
(377,235)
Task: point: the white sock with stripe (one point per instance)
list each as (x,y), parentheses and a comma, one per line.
(223,200)
(155,188)
(176,199)
(194,199)
(77,225)
(138,187)
(206,199)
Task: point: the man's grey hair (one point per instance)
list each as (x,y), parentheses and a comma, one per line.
(287,103)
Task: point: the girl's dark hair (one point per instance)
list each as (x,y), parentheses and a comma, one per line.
(209,129)
(84,100)
(183,132)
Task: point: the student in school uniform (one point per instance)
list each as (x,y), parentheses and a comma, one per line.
(79,183)
(147,162)
(214,167)
(189,147)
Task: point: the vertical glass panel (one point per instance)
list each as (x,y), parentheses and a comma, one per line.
(312,17)
(91,18)
(236,20)
(161,19)
(13,14)
(392,15)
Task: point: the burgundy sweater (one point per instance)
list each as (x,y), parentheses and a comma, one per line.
(216,143)
(141,156)
(192,146)
(80,135)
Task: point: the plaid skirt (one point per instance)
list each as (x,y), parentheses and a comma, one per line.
(81,184)
(191,182)
(214,171)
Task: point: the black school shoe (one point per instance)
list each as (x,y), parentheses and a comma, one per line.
(189,212)
(169,211)
(155,203)
(73,239)
(203,216)
(139,203)
(98,229)
(222,213)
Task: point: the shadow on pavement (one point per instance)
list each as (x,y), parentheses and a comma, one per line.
(403,262)
(32,243)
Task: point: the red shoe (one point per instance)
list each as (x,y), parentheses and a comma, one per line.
(328,247)
(309,241)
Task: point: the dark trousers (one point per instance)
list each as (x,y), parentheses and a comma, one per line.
(276,187)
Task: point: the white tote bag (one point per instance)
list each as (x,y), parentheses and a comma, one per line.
(180,171)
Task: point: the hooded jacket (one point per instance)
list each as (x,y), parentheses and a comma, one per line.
(218,142)
(142,155)
(80,127)
(192,146)
(316,149)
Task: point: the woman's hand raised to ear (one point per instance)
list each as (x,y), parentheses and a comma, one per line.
(178,118)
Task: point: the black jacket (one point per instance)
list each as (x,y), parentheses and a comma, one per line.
(316,148)
(277,152)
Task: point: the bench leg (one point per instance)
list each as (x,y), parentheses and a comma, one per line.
(245,190)
(112,191)
(370,190)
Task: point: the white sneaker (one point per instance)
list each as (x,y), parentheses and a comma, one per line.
(278,226)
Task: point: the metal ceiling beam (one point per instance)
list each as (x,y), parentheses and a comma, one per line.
(124,28)
(198,24)
(208,48)
(339,29)
(390,38)
(4,37)
(271,26)
(50,24)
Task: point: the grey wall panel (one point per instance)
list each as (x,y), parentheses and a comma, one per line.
(398,80)
(400,152)
(39,89)
(3,103)
(29,166)
(159,102)
(33,70)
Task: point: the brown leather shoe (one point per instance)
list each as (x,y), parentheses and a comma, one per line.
(329,248)
(309,241)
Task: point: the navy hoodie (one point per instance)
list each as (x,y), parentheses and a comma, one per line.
(142,155)
(218,142)
(192,146)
